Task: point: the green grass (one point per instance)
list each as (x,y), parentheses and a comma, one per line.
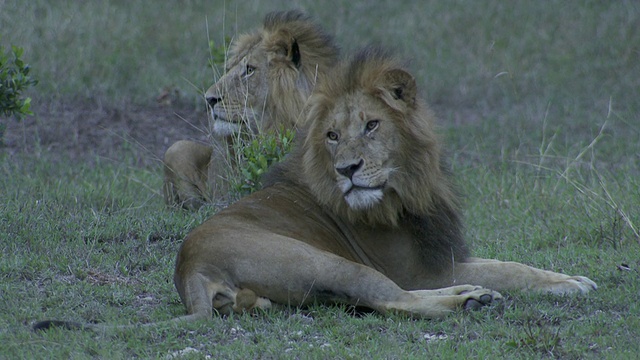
(96,244)
(539,111)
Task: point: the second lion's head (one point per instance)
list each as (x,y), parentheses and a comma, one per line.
(270,74)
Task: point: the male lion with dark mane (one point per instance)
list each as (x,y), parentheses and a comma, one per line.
(269,77)
(361,212)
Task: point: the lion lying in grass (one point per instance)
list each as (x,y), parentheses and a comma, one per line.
(360,213)
(269,76)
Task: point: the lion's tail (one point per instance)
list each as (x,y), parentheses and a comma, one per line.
(71,325)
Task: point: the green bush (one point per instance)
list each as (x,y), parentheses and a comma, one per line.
(14,79)
(258,154)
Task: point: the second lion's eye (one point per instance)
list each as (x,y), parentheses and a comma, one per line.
(249,70)
(372,125)
(332,136)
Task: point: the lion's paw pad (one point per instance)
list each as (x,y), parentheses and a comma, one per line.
(480,298)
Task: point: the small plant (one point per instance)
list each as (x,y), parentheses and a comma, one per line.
(258,154)
(218,53)
(14,79)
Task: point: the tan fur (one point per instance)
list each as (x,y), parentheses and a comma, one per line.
(360,213)
(269,76)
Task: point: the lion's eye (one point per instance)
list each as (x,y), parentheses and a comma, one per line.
(249,70)
(372,125)
(332,136)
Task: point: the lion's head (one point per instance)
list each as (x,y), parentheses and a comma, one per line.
(371,152)
(270,74)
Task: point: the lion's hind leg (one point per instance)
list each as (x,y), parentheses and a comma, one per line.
(247,300)
(323,276)
(185,174)
(243,273)
(203,292)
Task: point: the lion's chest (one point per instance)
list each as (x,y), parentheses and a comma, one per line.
(390,250)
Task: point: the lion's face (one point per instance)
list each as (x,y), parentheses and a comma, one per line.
(361,138)
(370,151)
(237,100)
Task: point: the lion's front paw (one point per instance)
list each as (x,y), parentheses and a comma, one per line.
(480,297)
(573,284)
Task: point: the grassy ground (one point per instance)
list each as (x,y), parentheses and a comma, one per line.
(538,103)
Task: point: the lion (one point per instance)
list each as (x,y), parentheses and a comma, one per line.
(362,212)
(269,76)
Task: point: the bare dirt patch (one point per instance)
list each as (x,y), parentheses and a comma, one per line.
(80,131)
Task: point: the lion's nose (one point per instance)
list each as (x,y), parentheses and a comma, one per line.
(350,169)
(212,100)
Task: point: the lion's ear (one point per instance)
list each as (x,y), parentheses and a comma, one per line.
(284,47)
(293,52)
(401,85)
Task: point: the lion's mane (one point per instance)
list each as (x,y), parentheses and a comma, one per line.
(420,195)
(290,83)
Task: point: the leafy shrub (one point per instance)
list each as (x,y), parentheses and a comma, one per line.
(258,154)
(218,53)
(14,79)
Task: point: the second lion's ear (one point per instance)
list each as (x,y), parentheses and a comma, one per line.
(293,53)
